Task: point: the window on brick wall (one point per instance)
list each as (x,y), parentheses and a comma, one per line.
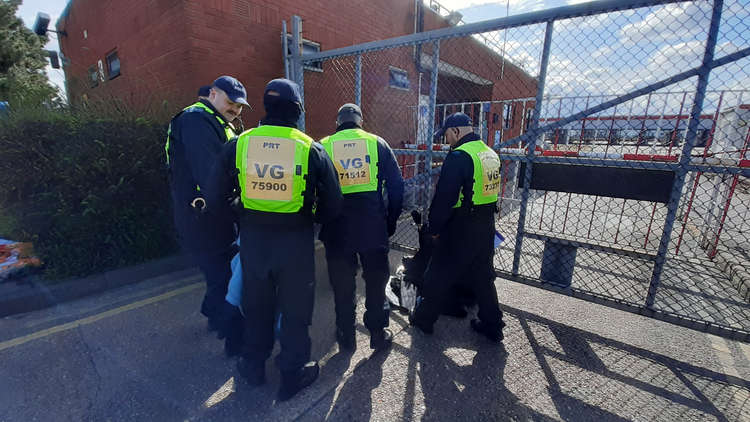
(529,116)
(308,47)
(398,78)
(93,76)
(507,116)
(113,65)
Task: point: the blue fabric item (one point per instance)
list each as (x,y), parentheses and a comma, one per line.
(498,239)
(234,291)
(234,89)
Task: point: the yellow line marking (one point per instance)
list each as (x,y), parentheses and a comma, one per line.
(93,318)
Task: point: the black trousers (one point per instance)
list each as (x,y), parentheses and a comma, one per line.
(217,270)
(464,252)
(278,274)
(342,270)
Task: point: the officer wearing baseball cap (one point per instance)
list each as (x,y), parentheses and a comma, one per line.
(204,92)
(284,182)
(194,139)
(367,170)
(462,225)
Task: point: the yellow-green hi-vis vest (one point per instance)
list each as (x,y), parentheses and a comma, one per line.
(273,165)
(487,164)
(354,153)
(228,131)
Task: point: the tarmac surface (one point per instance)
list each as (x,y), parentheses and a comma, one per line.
(142,352)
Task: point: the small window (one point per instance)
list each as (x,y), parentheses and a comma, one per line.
(529,116)
(398,78)
(308,47)
(93,76)
(113,65)
(508,116)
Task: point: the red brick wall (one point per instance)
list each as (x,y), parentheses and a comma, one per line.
(149,39)
(168,48)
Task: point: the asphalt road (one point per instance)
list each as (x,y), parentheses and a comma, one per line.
(143,353)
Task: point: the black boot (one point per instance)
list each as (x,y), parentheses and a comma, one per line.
(346,339)
(253,372)
(426,329)
(380,340)
(455,310)
(294,381)
(495,334)
(233,342)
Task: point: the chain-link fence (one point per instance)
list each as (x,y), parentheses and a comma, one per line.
(622,128)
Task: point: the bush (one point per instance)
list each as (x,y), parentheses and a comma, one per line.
(90,192)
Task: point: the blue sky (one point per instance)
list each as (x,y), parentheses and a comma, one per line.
(615,53)
(28,10)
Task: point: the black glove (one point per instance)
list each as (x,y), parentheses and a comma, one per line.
(392,227)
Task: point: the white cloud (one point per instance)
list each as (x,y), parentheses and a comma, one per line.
(668,23)
(683,56)
(603,51)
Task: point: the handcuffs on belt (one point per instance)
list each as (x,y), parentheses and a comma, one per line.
(198,204)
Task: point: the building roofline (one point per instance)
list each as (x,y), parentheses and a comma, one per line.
(63,14)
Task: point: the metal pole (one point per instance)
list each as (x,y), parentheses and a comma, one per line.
(297,73)
(358,81)
(533,131)
(679,181)
(431,118)
(285,49)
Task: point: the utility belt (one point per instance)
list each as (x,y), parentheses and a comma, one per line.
(477,210)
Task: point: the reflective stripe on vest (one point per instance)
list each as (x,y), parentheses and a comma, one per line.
(354,153)
(228,130)
(273,164)
(486,187)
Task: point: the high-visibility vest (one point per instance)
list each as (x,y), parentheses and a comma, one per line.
(486,187)
(273,167)
(354,153)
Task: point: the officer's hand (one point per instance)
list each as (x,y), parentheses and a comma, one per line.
(236,204)
(392,227)
(435,237)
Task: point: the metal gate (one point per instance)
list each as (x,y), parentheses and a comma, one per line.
(622,126)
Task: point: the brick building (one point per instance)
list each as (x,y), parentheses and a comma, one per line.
(158,52)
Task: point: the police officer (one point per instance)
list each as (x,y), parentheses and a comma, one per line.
(285,182)
(204,92)
(462,224)
(365,165)
(194,139)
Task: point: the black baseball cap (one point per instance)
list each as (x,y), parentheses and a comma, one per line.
(287,90)
(349,113)
(454,120)
(233,88)
(204,91)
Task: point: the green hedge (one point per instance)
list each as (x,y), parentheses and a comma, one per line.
(90,193)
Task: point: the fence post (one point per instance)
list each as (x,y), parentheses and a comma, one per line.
(285,49)
(533,129)
(298,74)
(358,81)
(679,180)
(431,121)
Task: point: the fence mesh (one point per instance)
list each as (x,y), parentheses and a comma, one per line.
(615,211)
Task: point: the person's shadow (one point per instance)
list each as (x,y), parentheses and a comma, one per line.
(458,386)
(360,387)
